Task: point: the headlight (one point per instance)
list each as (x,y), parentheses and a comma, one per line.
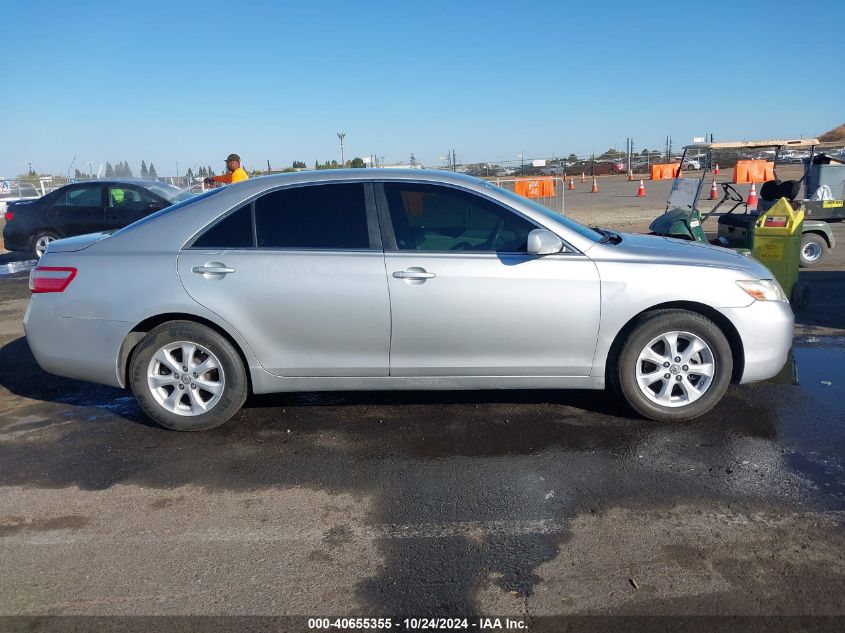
(763,289)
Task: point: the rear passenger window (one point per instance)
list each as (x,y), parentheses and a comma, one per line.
(331,216)
(233,231)
(82,197)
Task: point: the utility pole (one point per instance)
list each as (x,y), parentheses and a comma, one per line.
(341,136)
(90,172)
(522,163)
(413,160)
(268,166)
(454,161)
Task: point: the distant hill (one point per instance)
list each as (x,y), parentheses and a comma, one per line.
(836,134)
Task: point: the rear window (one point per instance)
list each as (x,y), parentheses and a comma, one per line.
(172,208)
(233,231)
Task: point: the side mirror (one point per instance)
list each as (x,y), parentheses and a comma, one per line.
(543,242)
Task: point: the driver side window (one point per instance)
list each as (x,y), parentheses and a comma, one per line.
(436,218)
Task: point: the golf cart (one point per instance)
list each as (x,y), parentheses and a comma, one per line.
(683,219)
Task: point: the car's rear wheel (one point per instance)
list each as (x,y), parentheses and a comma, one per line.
(674,365)
(41,241)
(813,250)
(187,377)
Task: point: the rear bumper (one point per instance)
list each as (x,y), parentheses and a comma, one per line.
(766,329)
(85,349)
(14,240)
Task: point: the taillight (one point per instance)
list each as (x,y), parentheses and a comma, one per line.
(50,278)
(9,216)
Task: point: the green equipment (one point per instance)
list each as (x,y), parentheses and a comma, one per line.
(683,219)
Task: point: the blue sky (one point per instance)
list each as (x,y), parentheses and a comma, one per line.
(190,82)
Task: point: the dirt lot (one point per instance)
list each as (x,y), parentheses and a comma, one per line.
(534,505)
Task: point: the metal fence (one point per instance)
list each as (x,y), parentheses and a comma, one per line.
(545,190)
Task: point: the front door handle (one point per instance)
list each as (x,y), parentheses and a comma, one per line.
(213,268)
(414,273)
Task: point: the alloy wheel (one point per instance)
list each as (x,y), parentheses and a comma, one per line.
(42,243)
(186,378)
(675,369)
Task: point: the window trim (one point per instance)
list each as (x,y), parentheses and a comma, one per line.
(389,237)
(373,227)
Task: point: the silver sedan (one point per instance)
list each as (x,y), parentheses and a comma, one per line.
(383,279)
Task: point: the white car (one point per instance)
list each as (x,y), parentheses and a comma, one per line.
(11,191)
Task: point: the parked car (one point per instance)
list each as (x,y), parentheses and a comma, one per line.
(83,207)
(609,167)
(278,284)
(692,164)
(11,192)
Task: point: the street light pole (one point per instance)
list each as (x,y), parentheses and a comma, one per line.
(341,136)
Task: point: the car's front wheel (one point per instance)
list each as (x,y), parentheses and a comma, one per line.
(187,377)
(674,365)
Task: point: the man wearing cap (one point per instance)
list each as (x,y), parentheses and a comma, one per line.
(236,172)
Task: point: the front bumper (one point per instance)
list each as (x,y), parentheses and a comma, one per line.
(85,349)
(766,329)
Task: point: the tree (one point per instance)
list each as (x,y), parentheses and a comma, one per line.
(109,170)
(357,162)
(144,172)
(78,174)
(152,171)
(190,175)
(316,165)
(209,171)
(298,164)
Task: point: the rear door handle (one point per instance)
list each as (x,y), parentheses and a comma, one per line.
(213,268)
(413,274)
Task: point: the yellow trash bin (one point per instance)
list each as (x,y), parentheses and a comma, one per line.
(777,242)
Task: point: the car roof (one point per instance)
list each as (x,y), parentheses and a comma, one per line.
(261,183)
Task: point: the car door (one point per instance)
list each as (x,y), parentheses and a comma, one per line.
(78,209)
(299,272)
(126,203)
(467,299)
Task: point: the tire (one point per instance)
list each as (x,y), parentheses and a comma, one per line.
(814,250)
(673,400)
(40,241)
(222,388)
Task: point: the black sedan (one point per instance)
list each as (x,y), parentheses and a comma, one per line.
(84,207)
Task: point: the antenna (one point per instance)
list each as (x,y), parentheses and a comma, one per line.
(69,167)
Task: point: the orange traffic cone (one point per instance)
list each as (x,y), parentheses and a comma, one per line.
(716,171)
(714,193)
(641,189)
(582,177)
(595,187)
(630,176)
(752,196)
(572,184)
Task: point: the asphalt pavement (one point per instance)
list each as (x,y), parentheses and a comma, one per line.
(528,503)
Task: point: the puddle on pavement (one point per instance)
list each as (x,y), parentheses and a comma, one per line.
(18,267)
(813,423)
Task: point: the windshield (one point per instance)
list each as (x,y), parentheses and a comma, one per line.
(580,229)
(179,205)
(168,192)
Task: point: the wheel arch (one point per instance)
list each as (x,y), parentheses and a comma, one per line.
(820,232)
(137,333)
(721,321)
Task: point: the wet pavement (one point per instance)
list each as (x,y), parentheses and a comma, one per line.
(528,503)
